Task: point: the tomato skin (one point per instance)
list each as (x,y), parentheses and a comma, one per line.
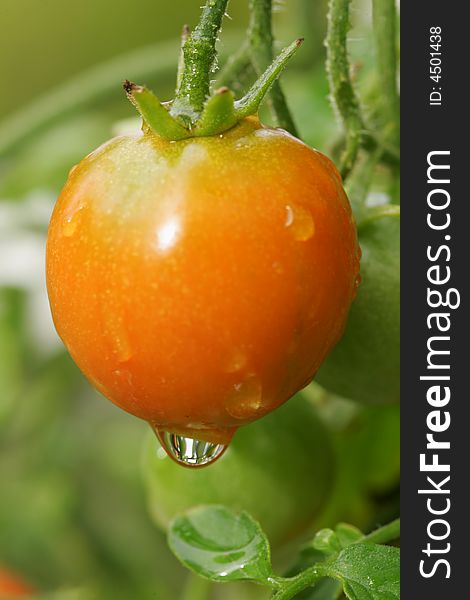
(279,469)
(365,365)
(199,284)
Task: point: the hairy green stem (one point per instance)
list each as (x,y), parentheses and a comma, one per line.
(385,37)
(387,533)
(359,183)
(343,95)
(184,38)
(388,155)
(199,60)
(300,582)
(234,74)
(260,36)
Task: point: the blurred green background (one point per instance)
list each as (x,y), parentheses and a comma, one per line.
(74,521)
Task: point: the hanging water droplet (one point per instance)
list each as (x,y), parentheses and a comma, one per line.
(71,221)
(188,451)
(246,399)
(300,222)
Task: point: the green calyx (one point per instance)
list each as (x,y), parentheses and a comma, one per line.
(197,110)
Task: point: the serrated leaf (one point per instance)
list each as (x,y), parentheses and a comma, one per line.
(367,571)
(221,545)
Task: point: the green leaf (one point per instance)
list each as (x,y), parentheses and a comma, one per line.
(367,572)
(221,545)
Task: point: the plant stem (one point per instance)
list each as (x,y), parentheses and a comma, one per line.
(343,95)
(260,36)
(235,71)
(384,21)
(384,534)
(184,37)
(359,182)
(300,582)
(388,155)
(196,588)
(199,60)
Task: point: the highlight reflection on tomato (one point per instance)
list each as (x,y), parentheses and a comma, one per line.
(199,284)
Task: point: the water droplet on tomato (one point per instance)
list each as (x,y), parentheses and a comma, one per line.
(246,398)
(72,219)
(299,222)
(69,227)
(188,451)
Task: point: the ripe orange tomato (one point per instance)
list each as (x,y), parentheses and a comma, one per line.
(199,284)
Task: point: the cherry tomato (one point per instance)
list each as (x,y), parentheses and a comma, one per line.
(279,469)
(11,586)
(199,284)
(365,365)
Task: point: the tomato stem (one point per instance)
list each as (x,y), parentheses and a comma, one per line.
(237,70)
(199,61)
(305,579)
(379,212)
(195,112)
(343,95)
(359,182)
(387,533)
(184,37)
(261,49)
(385,35)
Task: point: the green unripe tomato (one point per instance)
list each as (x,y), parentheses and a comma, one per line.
(278,469)
(365,365)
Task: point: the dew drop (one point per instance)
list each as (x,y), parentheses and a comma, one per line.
(246,398)
(187,451)
(299,222)
(69,225)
